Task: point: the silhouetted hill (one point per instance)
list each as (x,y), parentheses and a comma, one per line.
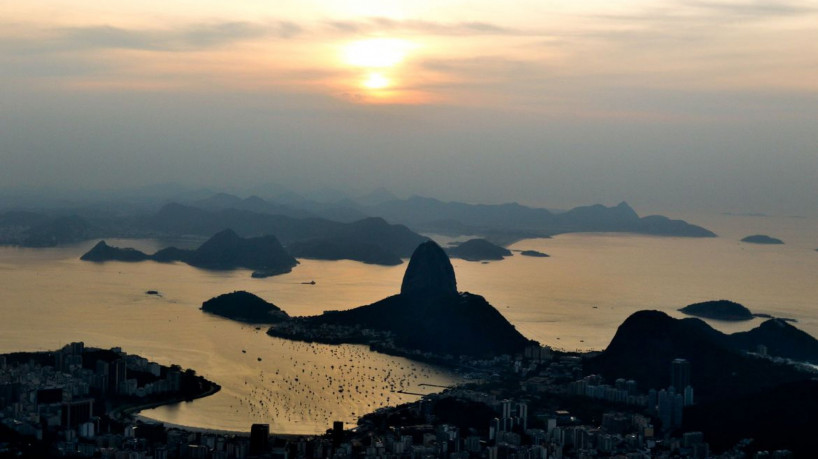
(429,272)
(718,310)
(761,239)
(244,307)
(781,339)
(622,218)
(226,250)
(646,343)
(533,253)
(429,315)
(478,250)
(103,252)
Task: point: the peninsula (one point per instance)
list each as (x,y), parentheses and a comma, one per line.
(429,316)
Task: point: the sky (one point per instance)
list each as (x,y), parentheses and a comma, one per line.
(669,105)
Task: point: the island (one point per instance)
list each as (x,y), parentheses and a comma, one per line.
(478,250)
(718,310)
(534,253)
(761,239)
(428,319)
(225,250)
(103,252)
(244,307)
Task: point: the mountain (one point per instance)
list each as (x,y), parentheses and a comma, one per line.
(622,218)
(478,250)
(103,252)
(244,307)
(226,250)
(780,339)
(647,341)
(430,273)
(718,310)
(762,239)
(428,316)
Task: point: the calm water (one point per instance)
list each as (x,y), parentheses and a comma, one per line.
(573,300)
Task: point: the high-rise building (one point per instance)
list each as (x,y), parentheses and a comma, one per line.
(679,375)
(77,412)
(522,413)
(259,438)
(337,433)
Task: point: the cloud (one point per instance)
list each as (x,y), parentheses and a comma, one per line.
(415,26)
(760,9)
(190,38)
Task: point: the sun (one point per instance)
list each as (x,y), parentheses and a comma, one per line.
(376,81)
(376,52)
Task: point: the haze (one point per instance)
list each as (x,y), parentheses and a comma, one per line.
(670,105)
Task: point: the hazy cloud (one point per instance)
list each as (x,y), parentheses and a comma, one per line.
(381,24)
(194,37)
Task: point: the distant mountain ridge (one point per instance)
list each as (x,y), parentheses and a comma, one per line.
(298,219)
(508,222)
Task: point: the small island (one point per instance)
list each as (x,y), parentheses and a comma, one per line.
(718,310)
(534,253)
(478,250)
(244,307)
(762,239)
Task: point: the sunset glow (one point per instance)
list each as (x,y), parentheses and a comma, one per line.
(376,53)
(376,81)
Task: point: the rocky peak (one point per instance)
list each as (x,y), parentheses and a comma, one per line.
(429,272)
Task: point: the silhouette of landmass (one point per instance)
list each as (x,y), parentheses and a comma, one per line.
(478,250)
(244,307)
(718,310)
(761,239)
(297,219)
(224,251)
(646,343)
(103,252)
(506,223)
(428,316)
(534,253)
